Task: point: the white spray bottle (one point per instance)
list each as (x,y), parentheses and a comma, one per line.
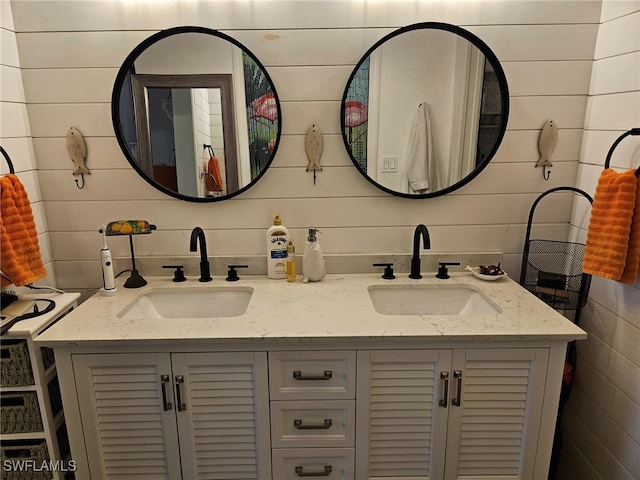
(108,280)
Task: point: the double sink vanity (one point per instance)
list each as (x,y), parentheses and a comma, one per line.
(354,377)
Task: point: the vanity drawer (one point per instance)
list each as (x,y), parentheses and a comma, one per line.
(313,423)
(312,375)
(328,463)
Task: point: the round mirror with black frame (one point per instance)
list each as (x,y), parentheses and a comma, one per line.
(424,110)
(196,114)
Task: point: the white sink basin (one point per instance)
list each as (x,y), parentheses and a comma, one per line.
(196,302)
(431,300)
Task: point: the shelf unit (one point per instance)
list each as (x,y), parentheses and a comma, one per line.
(33,424)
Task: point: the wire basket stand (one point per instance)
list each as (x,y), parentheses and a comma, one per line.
(552,270)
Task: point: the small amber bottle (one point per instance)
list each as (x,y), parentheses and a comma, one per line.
(291,262)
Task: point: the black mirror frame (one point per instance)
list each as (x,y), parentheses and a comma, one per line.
(504,94)
(127,66)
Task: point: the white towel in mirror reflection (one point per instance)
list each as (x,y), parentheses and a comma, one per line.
(421,174)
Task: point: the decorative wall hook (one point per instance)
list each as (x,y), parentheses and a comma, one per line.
(78,153)
(78,183)
(546,145)
(313,148)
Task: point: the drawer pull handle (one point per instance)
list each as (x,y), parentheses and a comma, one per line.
(312,426)
(457,374)
(445,390)
(167,405)
(181,406)
(323,473)
(297,374)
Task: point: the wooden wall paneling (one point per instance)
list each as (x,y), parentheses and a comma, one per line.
(621,300)
(559,77)
(357,212)
(612,9)
(12,90)
(532,112)
(611,364)
(14,120)
(608,112)
(103,153)
(609,433)
(20,150)
(617,74)
(229,14)
(590,446)
(8,43)
(619,35)
(599,389)
(522,146)
(86,49)
(69,85)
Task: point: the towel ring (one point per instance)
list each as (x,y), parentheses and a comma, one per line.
(8,159)
(633,131)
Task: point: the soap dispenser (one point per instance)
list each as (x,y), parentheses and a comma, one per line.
(313,264)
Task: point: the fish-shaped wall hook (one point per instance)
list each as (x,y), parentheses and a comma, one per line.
(547,143)
(313,148)
(77,151)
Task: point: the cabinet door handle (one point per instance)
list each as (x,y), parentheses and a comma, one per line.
(321,473)
(164,379)
(179,381)
(312,426)
(297,374)
(457,374)
(445,389)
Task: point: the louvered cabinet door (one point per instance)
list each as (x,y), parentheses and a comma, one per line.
(493,431)
(400,425)
(128,430)
(223,415)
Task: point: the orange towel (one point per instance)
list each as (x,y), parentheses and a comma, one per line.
(214,179)
(20,255)
(632,265)
(613,239)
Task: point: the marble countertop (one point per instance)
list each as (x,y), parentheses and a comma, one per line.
(337,308)
(31,327)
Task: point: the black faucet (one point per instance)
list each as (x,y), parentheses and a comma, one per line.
(415,260)
(197,234)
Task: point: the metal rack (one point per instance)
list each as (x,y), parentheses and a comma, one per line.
(552,270)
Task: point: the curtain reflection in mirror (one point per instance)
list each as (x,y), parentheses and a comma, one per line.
(356,114)
(262,115)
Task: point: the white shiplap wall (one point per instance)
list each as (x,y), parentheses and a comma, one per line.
(15,135)
(601,422)
(70,53)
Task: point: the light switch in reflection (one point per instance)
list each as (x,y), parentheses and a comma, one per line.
(389,164)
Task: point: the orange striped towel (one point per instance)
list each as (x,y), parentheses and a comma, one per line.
(613,239)
(20,255)
(214,179)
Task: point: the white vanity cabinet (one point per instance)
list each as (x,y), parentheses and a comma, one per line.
(453,414)
(174,415)
(311,381)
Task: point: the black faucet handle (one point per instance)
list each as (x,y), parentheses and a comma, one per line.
(388,270)
(442,269)
(232,274)
(178,275)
